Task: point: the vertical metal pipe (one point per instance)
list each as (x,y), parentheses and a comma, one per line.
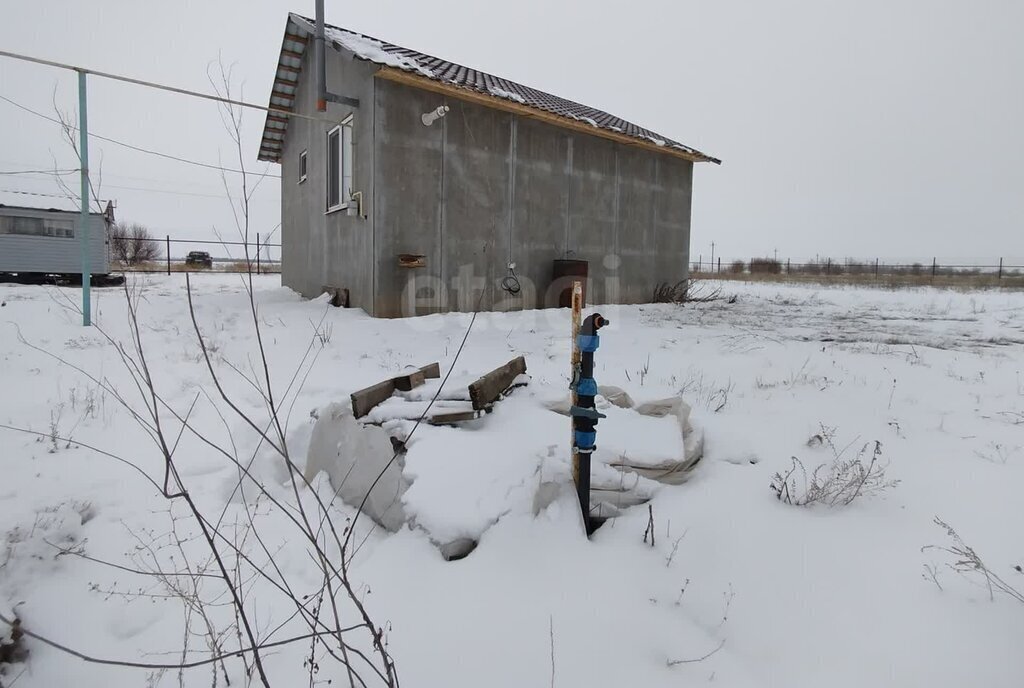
(257,253)
(319,58)
(168,255)
(83,229)
(1000,269)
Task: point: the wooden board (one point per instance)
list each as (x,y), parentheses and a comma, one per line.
(406,383)
(454,417)
(486,390)
(364,400)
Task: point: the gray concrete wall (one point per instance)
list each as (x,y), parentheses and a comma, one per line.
(482,188)
(321,248)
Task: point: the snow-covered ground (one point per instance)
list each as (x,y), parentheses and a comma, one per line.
(787,595)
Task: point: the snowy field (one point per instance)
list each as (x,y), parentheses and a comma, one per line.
(738,589)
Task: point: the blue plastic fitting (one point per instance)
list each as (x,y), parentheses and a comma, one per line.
(588,342)
(585,440)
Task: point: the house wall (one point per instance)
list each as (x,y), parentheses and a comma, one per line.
(476,190)
(481,188)
(318,248)
(25,253)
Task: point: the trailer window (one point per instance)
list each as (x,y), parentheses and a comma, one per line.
(37,226)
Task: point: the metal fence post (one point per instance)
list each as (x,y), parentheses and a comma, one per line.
(828,266)
(933,267)
(168,255)
(83,239)
(719,264)
(257,253)
(1000,269)
(876,267)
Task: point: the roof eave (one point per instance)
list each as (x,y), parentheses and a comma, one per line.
(284,90)
(487,100)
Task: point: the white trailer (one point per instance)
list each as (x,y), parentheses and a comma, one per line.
(40,242)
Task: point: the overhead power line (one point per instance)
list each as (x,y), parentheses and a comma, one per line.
(45,195)
(162,87)
(50,172)
(132,147)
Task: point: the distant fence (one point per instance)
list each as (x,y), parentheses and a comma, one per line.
(167,255)
(828,267)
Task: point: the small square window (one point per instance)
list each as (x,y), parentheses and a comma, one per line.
(302,167)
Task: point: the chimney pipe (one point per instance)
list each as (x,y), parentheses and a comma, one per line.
(319,56)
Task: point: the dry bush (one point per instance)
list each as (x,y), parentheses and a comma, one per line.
(686,291)
(810,268)
(240,266)
(765,266)
(837,483)
(737,267)
(967,563)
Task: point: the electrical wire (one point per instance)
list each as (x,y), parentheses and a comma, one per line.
(510,283)
(132,147)
(50,172)
(161,87)
(47,195)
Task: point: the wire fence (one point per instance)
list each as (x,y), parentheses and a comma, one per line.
(167,255)
(828,267)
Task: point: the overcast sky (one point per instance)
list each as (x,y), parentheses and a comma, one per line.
(888,128)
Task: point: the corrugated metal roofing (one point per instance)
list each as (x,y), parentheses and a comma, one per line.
(300,32)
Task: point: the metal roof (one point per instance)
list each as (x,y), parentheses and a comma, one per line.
(423,69)
(46,210)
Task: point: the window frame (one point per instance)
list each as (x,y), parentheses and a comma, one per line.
(47,227)
(303,166)
(346,154)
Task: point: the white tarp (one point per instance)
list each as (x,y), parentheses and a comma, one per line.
(353,456)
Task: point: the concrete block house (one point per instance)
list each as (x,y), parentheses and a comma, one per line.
(418,192)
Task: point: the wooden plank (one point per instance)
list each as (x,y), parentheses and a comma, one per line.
(364,400)
(487,389)
(291,70)
(406,383)
(487,100)
(454,417)
(291,53)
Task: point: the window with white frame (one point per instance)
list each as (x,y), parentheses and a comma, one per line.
(339,165)
(302,167)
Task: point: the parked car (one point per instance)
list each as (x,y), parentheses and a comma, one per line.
(199,259)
